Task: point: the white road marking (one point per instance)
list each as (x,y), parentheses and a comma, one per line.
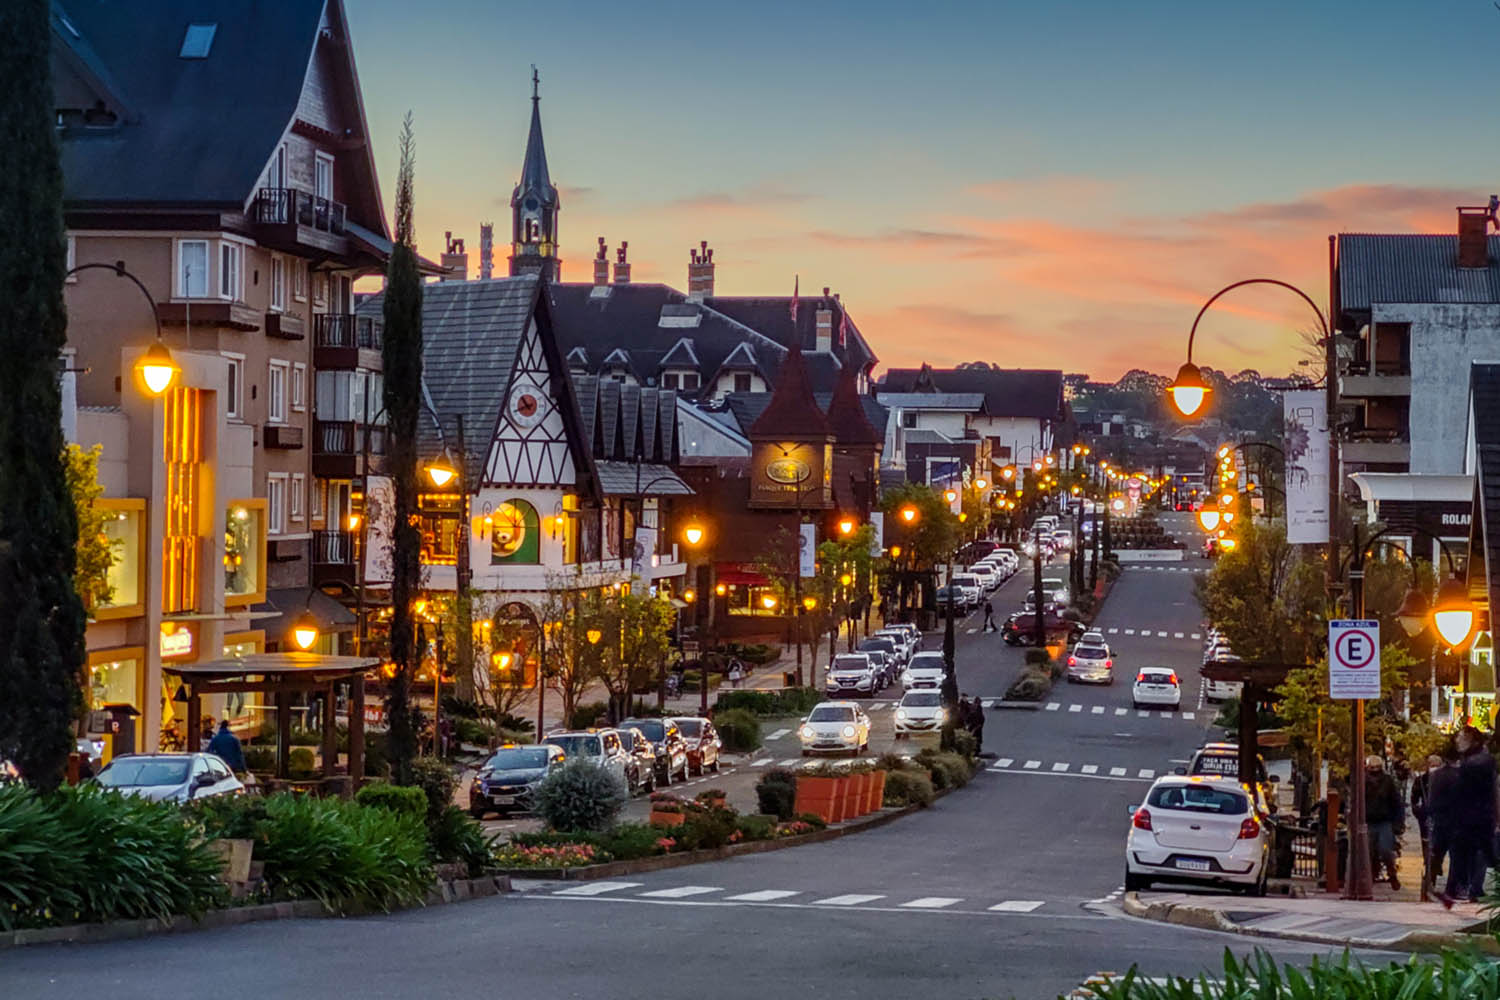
(789,762)
(1167,715)
(1161,635)
(1053,706)
(1032,765)
(762,762)
(1097,710)
(1142,714)
(1116,771)
(932,902)
(1146,772)
(1060,766)
(764,896)
(1177,635)
(971,631)
(1121,711)
(1130,631)
(853,899)
(1005,762)
(1017,906)
(1075,708)
(595,888)
(1113,631)
(1067,774)
(1190,716)
(1090,769)
(1195,635)
(778,734)
(680,891)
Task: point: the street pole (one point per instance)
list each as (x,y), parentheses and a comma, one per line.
(1359,883)
(465,573)
(950,672)
(541,677)
(713,607)
(1036,588)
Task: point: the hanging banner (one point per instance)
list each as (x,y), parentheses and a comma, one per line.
(807,550)
(1305,415)
(645,547)
(877,538)
(379,525)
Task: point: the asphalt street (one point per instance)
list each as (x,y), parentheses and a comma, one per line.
(1006,889)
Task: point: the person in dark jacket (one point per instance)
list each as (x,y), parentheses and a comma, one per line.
(1382,812)
(976,723)
(1473,813)
(1441,793)
(227,746)
(1421,795)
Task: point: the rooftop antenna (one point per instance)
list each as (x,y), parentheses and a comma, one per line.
(534,81)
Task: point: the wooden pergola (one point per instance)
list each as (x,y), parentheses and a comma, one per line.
(1258,680)
(279,675)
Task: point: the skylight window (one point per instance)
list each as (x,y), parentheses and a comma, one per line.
(198,40)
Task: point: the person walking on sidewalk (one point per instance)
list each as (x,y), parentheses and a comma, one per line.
(989,616)
(976,722)
(1421,797)
(1382,813)
(1473,819)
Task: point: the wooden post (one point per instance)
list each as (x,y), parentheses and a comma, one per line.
(330,732)
(192,743)
(283,730)
(356,731)
(1249,733)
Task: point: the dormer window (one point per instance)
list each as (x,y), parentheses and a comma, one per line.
(197,41)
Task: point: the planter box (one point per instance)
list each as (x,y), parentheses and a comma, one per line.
(816,795)
(859,791)
(876,798)
(668,819)
(234,857)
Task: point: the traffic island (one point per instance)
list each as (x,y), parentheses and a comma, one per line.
(1384,926)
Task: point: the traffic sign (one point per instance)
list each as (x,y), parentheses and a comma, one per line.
(1354,659)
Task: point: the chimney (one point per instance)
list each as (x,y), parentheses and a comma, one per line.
(601,265)
(455,262)
(486,251)
(700,272)
(825,326)
(1473,244)
(622,265)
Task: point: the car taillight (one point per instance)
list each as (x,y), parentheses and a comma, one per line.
(1140,678)
(1172,679)
(1250,829)
(1142,819)
(1072,661)
(1109,663)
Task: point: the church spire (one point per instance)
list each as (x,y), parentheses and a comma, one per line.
(534,203)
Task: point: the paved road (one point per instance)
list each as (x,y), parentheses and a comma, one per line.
(1006,889)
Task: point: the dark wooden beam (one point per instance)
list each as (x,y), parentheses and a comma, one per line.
(356,732)
(283,733)
(330,732)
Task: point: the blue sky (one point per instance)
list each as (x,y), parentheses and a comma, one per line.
(999,181)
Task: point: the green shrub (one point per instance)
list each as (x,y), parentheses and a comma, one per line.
(890,761)
(346,855)
(585,716)
(755,827)
(1033,685)
(964,744)
(1038,657)
(473,731)
(646,710)
(776,793)
(811,819)
(437,781)
(705,829)
(785,701)
(377,759)
(948,770)
(580,796)
(396,798)
(229,817)
(301,761)
(454,836)
(756,653)
(260,758)
(738,729)
(628,841)
(904,788)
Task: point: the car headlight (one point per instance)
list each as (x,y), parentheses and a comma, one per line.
(848,732)
(806,732)
(901,715)
(942,715)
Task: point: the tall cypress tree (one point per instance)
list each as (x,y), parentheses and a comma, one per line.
(402,354)
(42,623)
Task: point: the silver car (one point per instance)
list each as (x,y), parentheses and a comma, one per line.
(170,777)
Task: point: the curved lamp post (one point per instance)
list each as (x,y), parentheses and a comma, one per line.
(155,367)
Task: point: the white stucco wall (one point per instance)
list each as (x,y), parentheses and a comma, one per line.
(1444,340)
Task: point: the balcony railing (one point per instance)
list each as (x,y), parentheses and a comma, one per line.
(279,206)
(333,548)
(1379,368)
(347,330)
(346,437)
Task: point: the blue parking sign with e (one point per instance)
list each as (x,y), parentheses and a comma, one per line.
(1354,659)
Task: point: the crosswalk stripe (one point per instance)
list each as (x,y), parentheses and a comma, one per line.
(1130,631)
(1161,635)
(1188,716)
(1121,711)
(1005,762)
(595,888)
(1090,769)
(1195,635)
(1017,906)
(932,902)
(677,892)
(763,896)
(1032,765)
(1053,706)
(1075,708)
(1060,766)
(971,631)
(1146,772)
(762,762)
(1177,635)
(789,762)
(1140,714)
(1116,772)
(852,899)
(1113,631)
(992,702)
(1097,710)
(778,734)
(1166,715)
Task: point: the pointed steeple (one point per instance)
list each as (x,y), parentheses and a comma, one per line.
(792,413)
(846,413)
(534,204)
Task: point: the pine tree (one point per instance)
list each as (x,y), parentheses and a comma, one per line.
(41,627)
(402,354)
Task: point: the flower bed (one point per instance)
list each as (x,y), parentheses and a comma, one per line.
(543,856)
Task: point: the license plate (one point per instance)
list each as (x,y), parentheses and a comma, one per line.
(1193,866)
(503,800)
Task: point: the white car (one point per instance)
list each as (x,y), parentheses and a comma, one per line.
(920,712)
(1201,830)
(969,585)
(1091,662)
(1094,637)
(1220,690)
(835,726)
(1156,686)
(905,646)
(170,777)
(1062,538)
(989,579)
(925,672)
(852,673)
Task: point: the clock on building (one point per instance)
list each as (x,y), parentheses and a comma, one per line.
(527,406)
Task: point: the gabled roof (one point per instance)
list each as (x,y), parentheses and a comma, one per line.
(964,402)
(1411,269)
(792,414)
(741,358)
(681,355)
(197,132)
(627,423)
(846,416)
(772,316)
(1008,392)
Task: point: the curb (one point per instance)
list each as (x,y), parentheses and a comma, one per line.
(1022,706)
(301,909)
(1209,919)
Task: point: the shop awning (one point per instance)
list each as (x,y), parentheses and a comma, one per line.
(288,605)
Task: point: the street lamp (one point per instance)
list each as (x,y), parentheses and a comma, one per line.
(441,471)
(1453,614)
(908,513)
(846,525)
(1208,519)
(305,631)
(593,635)
(157,369)
(950,495)
(693,533)
(768,601)
(981,483)
(809,602)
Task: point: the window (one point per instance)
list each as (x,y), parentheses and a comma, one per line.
(299,386)
(909,419)
(319,489)
(320,289)
(742,382)
(244,547)
(230,257)
(197,41)
(669,380)
(192,269)
(276,393)
(323,177)
(276,503)
(299,281)
(277,176)
(234,386)
(122,528)
(278,283)
(72,257)
(689,381)
(299,492)
(514,531)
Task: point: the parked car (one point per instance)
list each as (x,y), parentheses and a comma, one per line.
(1197,829)
(893,647)
(988,576)
(639,746)
(603,747)
(668,745)
(1158,687)
(835,726)
(851,673)
(962,599)
(972,588)
(1020,629)
(920,712)
(905,644)
(1092,662)
(170,777)
(508,777)
(703,743)
(1222,760)
(925,672)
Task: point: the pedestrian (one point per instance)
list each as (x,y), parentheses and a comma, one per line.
(964,712)
(227,747)
(1441,804)
(736,673)
(1382,812)
(1421,797)
(976,724)
(989,616)
(1473,819)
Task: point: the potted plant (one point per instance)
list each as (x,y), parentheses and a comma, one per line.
(854,803)
(713,798)
(666,810)
(816,794)
(876,796)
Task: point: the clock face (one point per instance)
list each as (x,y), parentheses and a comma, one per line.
(527,406)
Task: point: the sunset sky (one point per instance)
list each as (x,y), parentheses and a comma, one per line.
(1050,184)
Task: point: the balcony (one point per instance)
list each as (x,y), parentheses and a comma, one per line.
(284,436)
(286,326)
(1362,380)
(339,444)
(333,558)
(343,341)
(302,223)
(1376,445)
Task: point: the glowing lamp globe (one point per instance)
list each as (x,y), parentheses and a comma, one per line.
(1453,613)
(157,369)
(1188,390)
(305,632)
